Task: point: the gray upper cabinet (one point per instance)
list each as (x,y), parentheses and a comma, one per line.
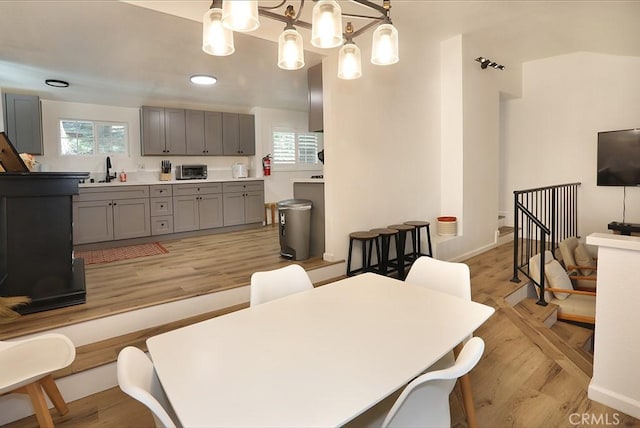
(163,131)
(238,134)
(23,122)
(175,131)
(204,132)
(247,134)
(314,79)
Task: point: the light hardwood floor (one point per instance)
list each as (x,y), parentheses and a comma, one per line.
(192,267)
(526,377)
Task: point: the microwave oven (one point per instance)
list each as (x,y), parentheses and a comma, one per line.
(191,172)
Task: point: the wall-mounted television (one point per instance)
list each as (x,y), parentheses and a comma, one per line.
(619,158)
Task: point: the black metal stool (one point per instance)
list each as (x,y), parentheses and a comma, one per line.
(384,242)
(365,238)
(402,260)
(415,234)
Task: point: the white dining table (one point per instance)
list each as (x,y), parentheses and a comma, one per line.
(318,358)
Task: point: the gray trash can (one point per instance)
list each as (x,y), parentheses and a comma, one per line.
(294,219)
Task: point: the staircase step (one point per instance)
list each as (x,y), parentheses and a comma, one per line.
(106,351)
(581,338)
(528,308)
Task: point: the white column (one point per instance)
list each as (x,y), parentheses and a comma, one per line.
(617,351)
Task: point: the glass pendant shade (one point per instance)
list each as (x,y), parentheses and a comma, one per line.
(240,15)
(349,62)
(326,24)
(290,52)
(384,50)
(216,39)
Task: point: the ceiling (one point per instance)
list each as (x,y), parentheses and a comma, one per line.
(135,53)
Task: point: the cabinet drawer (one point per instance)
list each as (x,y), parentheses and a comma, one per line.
(88,194)
(196,189)
(161,225)
(242,186)
(161,206)
(160,190)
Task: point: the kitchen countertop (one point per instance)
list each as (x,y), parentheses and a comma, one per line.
(308,180)
(152,182)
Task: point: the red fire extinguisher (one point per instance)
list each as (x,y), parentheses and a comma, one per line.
(266,165)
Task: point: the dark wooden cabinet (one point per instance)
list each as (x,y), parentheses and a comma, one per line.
(36,240)
(23,125)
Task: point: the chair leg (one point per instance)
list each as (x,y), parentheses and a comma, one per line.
(467,394)
(50,387)
(39,404)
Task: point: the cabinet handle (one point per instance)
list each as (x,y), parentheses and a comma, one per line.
(114,204)
(161,206)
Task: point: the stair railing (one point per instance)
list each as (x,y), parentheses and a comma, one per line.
(543,217)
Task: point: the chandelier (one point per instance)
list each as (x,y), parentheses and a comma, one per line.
(225,17)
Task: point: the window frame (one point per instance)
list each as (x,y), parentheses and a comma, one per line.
(297,166)
(96,146)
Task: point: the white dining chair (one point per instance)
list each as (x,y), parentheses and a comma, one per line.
(425,400)
(455,279)
(137,378)
(273,284)
(26,367)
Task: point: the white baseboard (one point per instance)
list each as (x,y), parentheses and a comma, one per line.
(614,400)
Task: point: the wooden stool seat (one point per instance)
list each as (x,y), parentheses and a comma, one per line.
(363,235)
(383,249)
(270,206)
(368,239)
(415,234)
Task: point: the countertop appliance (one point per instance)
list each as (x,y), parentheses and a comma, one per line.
(239,170)
(191,172)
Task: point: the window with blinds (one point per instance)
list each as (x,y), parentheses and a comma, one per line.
(293,149)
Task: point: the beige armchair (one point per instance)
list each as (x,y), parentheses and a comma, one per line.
(579,264)
(573,305)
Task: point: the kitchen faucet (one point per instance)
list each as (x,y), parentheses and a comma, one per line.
(109,177)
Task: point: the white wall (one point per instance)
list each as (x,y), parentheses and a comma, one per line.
(382,135)
(413,140)
(279,185)
(550,134)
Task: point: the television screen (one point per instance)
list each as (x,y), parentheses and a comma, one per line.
(619,158)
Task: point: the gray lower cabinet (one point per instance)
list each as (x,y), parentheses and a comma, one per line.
(197,206)
(103,214)
(22,122)
(243,202)
(121,212)
(161,202)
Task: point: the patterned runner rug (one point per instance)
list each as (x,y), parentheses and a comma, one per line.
(122,253)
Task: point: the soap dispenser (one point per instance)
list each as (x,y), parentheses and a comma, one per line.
(123,176)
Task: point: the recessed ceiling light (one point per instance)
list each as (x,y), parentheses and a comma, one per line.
(203,79)
(57,83)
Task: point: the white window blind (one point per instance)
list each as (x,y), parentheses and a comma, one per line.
(293,149)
